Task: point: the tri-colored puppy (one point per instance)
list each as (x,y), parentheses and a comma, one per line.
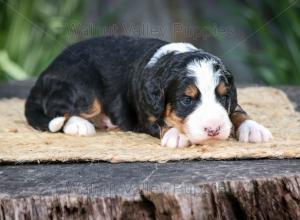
(173,91)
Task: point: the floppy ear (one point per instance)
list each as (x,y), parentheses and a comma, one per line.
(149,99)
(153,95)
(232,93)
(236,112)
(154,84)
(229,77)
(147,92)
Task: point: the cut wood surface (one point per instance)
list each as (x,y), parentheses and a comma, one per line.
(276,198)
(258,189)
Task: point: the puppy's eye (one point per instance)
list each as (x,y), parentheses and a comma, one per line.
(216,67)
(186,100)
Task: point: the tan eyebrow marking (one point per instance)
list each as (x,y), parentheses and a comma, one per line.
(191,91)
(222,89)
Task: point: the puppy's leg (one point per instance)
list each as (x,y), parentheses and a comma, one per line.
(79,126)
(74,125)
(248,130)
(173,138)
(71,111)
(169,135)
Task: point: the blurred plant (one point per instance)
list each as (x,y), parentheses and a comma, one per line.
(32,32)
(274,40)
(278,61)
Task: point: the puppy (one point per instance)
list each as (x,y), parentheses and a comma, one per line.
(173,91)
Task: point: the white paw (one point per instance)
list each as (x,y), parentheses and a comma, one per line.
(174,139)
(251,131)
(79,127)
(56,124)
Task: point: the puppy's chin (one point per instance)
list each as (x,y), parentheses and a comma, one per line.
(204,139)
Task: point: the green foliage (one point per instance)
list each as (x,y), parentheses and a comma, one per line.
(32,32)
(279,61)
(274,36)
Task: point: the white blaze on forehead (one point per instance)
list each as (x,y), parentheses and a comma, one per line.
(169,48)
(209,114)
(206,79)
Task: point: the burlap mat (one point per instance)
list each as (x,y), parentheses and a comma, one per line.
(20,143)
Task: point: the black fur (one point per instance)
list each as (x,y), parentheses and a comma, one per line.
(112,69)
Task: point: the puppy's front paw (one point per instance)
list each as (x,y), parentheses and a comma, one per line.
(174,139)
(251,131)
(79,127)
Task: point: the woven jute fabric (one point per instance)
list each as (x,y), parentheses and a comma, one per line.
(20,143)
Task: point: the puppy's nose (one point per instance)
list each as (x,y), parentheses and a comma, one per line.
(212,131)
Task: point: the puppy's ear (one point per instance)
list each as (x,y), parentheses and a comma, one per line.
(229,78)
(236,113)
(153,95)
(154,82)
(232,102)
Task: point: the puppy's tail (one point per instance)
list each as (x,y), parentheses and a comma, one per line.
(37,118)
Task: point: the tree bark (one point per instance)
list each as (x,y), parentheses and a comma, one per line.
(274,198)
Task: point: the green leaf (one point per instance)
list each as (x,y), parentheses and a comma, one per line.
(11,68)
